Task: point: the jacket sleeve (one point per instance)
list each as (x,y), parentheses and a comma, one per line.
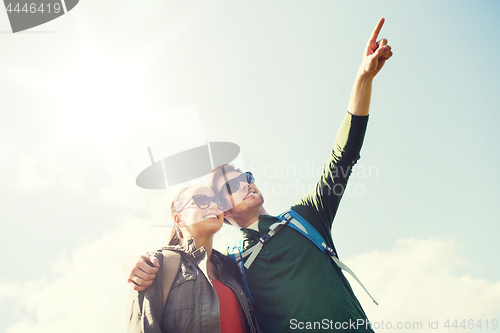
(145,308)
(134,311)
(320,205)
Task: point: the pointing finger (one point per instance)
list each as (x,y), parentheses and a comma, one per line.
(376,31)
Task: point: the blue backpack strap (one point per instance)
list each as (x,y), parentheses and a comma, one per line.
(235,254)
(298,223)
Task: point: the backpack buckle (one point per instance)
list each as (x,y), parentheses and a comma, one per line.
(264,239)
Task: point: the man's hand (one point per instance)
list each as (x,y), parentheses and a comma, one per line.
(140,271)
(376,53)
(374,58)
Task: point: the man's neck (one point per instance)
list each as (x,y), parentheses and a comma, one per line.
(244,220)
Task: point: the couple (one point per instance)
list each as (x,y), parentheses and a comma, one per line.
(292,283)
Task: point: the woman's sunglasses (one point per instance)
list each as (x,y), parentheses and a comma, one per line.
(203,202)
(233,185)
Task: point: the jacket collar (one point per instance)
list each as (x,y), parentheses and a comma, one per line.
(190,248)
(197,254)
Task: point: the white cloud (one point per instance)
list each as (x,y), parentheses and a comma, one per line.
(35,175)
(87,291)
(415,282)
(29,178)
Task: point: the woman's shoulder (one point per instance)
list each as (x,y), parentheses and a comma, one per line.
(227,264)
(224,259)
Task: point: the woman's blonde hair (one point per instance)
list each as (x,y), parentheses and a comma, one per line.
(176,237)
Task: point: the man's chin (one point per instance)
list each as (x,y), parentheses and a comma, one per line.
(254,196)
(253,200)
(250,202)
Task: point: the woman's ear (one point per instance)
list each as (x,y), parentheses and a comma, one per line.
(178,221)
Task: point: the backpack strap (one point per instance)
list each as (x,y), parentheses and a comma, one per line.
(169,269)
(254,250)
(295,221)
(234,253)
(300,224)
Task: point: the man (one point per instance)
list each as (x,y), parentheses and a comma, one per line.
(293,284)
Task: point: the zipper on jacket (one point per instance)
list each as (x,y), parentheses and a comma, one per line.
(242,298)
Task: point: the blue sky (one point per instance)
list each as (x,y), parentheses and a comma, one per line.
(273,77)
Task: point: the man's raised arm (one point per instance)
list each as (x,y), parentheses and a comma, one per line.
(374,57)
(320,205)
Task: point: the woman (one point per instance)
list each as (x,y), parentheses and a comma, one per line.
(206,295)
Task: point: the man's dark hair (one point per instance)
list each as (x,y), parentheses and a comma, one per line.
(216,173)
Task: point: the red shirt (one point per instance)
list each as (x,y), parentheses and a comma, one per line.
(232,319)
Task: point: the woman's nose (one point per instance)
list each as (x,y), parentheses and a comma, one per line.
(213,205)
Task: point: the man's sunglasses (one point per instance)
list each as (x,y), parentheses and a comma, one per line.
(233,185)
(203,202)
